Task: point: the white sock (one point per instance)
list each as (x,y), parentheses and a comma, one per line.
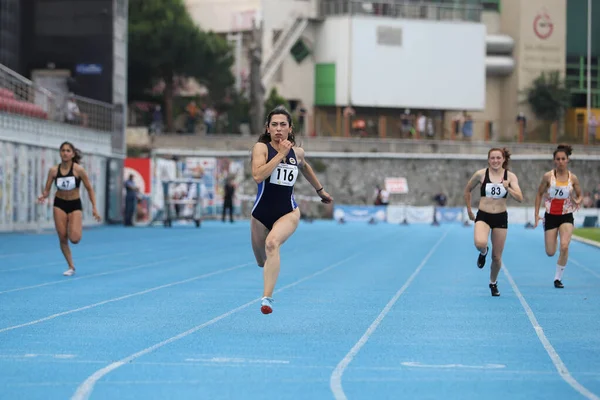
(560,269)
(493,283)
(484,253)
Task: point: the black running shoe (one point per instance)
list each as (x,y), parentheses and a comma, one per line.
(558,284)
(494,289)
(481,258)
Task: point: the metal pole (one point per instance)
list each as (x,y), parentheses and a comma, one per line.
(589,62)
(238,61)
(236,40)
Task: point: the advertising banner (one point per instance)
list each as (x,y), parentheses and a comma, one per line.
(359,213)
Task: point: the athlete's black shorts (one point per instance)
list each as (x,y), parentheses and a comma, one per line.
(499,220)
(554,221)
(68,206)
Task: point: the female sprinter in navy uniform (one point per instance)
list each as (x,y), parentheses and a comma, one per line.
(68,176)
(561,193)
(496,183)
(275,215)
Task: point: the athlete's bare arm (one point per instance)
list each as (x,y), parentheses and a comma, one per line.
(577,188)
(261,169)
(51,175)
(538,197)
(513,187)
(310,176)
(474,181)
(88,186)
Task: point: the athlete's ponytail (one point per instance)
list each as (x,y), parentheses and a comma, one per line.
(506,158)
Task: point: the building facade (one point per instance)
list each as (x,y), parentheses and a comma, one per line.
(82,43)
(10,33)
(389,59)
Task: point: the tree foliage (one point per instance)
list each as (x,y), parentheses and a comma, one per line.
(548,96)
(276,100)
(165,45)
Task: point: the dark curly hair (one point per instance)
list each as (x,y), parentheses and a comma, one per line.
(265,137)
(77,153)
(564,148)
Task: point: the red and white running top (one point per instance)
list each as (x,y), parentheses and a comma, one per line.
(558,198)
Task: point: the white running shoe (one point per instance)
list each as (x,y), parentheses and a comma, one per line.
(266,305)
(69,272)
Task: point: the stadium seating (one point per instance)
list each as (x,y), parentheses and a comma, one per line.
(8,103)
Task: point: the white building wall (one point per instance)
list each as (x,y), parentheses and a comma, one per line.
(222,16)
(333,47)
(429,65)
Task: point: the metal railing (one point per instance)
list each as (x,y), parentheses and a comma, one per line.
(21,96)
(409,9)
(282,46)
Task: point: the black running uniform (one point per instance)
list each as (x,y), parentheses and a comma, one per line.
(495,191)
(275,196)
(67,182)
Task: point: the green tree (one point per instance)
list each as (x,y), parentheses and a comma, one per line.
(548,97)
(165,45)
(275,100)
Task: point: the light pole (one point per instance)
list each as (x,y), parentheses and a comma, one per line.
(589,70)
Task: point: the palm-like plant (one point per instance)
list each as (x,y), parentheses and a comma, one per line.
(548,96)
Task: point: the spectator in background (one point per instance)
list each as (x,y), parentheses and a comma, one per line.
(592,125)
(228,193)
(73,114)
(430,129)
(457,120)
(210,117)
(421,124)
(406,124)
(522,120)
(440,200)
(131,191)
(301,117)
(156,126)
(596,196)
(588,202)
(180,193)
(467,127)
(192,111)
(382,196)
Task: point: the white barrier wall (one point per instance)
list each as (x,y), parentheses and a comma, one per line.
(424,215)
(27,150)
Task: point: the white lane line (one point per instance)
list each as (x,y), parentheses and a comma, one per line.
(85,389)
(53,316)
(591,271)
(70,279)
(558,363)
(335,382)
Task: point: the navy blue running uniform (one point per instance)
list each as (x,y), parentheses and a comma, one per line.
(275,197)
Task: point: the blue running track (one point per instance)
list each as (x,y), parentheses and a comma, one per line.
(361,312)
